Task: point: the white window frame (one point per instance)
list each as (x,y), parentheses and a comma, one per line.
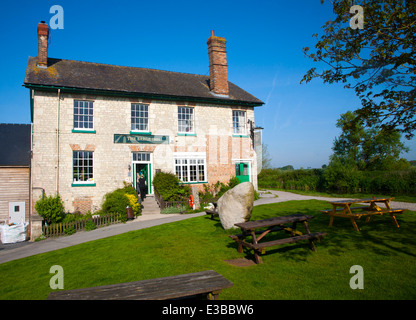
(142,115)
(141,157)
(186,119)
(81,115)
(185,163)
(82,166)
(238,117)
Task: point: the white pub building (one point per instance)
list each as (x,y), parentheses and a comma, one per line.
(95,126)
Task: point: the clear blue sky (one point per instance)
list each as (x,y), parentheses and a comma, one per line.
(264,51)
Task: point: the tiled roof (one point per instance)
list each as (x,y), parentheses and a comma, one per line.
(14,145)
(150,82)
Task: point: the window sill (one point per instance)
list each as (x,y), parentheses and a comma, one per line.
(83,184)
(82,131)
(145,133)
(194,182)
(240,136)
(182,134)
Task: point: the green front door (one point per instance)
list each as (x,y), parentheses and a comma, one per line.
(144,169)
(241,171)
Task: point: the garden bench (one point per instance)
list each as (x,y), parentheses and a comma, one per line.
(181,286)
(212,212)
(251,228)
(346,211)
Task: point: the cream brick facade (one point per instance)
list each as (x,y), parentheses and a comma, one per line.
(54,141)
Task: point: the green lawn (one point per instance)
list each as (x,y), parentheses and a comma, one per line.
(387,255)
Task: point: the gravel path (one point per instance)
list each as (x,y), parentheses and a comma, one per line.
(287,196)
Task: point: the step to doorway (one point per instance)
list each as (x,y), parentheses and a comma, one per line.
(150,206)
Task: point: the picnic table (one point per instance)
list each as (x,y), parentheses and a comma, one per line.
(348,209)
(188,285)
(263,227)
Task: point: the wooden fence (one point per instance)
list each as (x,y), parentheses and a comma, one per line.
(163,204)
(58,229)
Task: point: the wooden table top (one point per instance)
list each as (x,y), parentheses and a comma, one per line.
(251,225)
(367,200)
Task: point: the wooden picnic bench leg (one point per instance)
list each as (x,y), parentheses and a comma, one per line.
(354,224)
(257,253)
(311,242)
(393,217)
(240,246)
(240,242)
(334,211)
(293,233)
(257,257)
(331,220)
(214,295)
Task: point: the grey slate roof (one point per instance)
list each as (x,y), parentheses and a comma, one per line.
(151,82)
(14,145)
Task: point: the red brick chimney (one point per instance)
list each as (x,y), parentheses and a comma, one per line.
(43,36)
(218,69)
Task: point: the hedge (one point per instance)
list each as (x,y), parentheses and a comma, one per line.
(341,180)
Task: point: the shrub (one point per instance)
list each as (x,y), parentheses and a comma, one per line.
(170,210)
(134,204)
(117,201)
(225,187)
(71,217)
(51,209)
(169,187)
(69,230)
(90,225)
(233,182)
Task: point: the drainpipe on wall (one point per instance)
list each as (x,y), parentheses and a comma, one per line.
(30,180)
(57,142)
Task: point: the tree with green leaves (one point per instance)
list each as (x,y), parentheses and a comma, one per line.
(266,160)
(377,61)
(367,148)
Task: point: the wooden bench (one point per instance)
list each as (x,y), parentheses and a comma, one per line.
(272,225)
(189,285)
(367,214)
(345,209)
(261,247)
(212,212)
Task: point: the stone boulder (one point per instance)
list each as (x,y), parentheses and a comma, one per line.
(236,205)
